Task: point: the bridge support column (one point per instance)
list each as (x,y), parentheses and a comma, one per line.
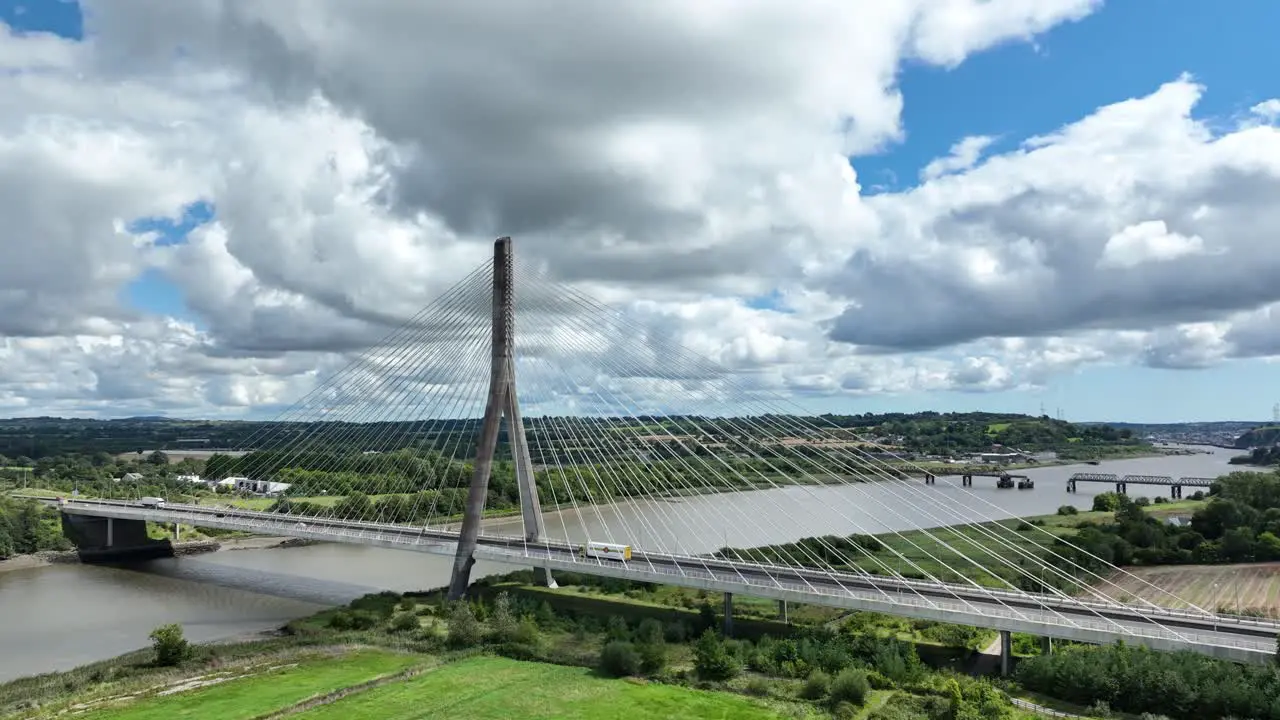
(1071,486)
(929,479)
(728,615)
(1175,491)
(1006,653)
(966,480)
(111,532)
(502,402)
(782,612)
(1046,646)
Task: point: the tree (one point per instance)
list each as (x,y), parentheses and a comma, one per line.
(170,645)
(464,629)
(157,458)
(850,686)
(1106,502)
(502,621)
(711,660)
(619,659)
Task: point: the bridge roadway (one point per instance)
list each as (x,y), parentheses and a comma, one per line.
(1225,637)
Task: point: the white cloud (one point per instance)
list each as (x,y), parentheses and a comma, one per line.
(963,156)
(674,159)
(1145,242)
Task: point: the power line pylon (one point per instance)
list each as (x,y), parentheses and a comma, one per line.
(502,403)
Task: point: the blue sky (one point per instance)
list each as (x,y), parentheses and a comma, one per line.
(1015,91)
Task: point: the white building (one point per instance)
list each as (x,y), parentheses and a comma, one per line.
(260,487)
(189,478)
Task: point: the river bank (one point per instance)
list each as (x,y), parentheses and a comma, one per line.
(45,558)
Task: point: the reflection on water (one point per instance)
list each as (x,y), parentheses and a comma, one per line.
(61,616)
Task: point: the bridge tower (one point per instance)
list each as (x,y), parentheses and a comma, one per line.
(502,404)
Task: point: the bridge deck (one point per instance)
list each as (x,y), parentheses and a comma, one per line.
(1142,479)
(1239,639)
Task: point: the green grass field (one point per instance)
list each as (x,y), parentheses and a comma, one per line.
(266,691)
(488,688)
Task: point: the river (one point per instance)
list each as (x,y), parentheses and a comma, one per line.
(61,616)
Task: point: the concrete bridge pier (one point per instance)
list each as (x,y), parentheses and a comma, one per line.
(105,539)
(1046,645)
(782,612)
(1175,492)
(966,480)
(930,479)
(1121,488)
(1006,653)
(728,615)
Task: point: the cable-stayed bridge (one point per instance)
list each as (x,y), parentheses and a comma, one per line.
(615,428)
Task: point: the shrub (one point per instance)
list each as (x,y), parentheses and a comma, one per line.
(653,657)
(816,687)
(404,622)
(340,620)
(527,632)
(1142,501)
(851,687)
(1160,500)
(170,646)
(758,687)
(619,659)
(464,629)
(1024,526)
(711,661)
(1067,510)
(501,621)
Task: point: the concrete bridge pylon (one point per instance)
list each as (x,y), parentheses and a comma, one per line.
(502,404)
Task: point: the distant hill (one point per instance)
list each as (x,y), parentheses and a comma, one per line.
(1259,437)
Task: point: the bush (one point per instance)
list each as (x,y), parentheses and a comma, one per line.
(1160,500)
(1142,501)
(758,687)
(711,661)
(850,686)
(404,622)
(817,686)
(1067,510)
(464,629)
(1024,526)
(502,621)
(170,646)
(619,659)
(653,657)
(340,620)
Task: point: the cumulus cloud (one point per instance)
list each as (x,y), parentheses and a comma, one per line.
(1133,218)
(670,158)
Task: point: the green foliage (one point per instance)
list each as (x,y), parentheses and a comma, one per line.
(619,659)
(170,646)
(711,661)
(28,527)
(1183,686)
(502,622)
(404,622)
(464,629)
(1106,502)
(850,686)
(816,686)
(1067,510)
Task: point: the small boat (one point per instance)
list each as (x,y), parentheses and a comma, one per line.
(1004,482)
(1026,484)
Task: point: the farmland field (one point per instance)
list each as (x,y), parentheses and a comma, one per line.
(1250,589)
